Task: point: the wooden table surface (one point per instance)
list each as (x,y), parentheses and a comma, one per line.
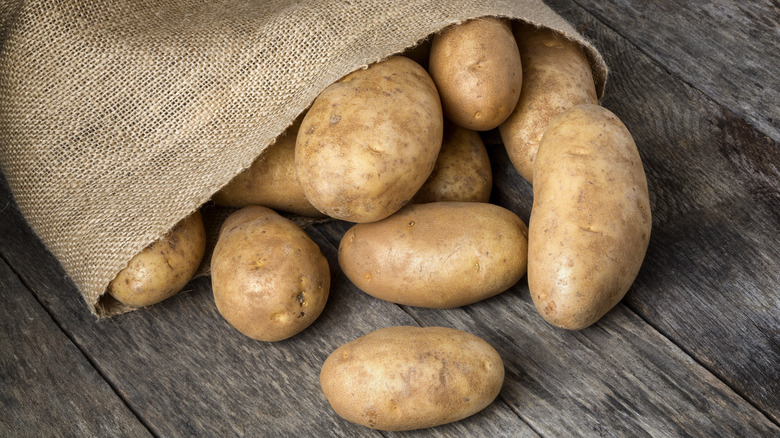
(692,350)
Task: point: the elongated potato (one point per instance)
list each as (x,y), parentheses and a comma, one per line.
(163,268)
(556,77)
(590,221)
(462,172)
(370,141)
(270,181)
(442,254)
(476,66)
(402,378)
(270,280)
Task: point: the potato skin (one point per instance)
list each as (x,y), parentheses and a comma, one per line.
(370,140)
(477,67)
(403,378)
(590,221)
(462,171)
(440,255)
(162,269)
(556,77)
(270,181)
(270,280)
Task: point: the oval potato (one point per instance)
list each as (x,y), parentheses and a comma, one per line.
(163,268)
(403,378)
(370,140)
(270,280)
(441,255)
(590,221)
(556,77)
(476,66)
(270,181)
(462,171)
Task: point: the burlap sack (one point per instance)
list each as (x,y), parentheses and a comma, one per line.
(118,118)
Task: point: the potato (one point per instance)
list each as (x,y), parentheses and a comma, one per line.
(270,181)
(370,141)
(270,280)
(462,170)
(443,254)
(477,68)
(556,77)
(163,268)
(402,378)
(590,220)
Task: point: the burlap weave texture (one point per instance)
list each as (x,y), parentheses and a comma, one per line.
(118,118)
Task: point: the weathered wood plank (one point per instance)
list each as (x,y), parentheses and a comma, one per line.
(47,386)
(712,273)
(619,377)
(496,420)
(616,378)
(709,285)
(186,372)
(728,50)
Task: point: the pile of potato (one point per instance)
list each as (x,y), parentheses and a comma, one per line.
(395,149)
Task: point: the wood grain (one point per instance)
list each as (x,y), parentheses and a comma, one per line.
(44,378)
(183,369)
(619,377)
(728,50)
(693,349)
(711,275)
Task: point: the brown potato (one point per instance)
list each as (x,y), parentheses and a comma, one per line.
(270,280)
(476,66)
(556,77)
(403,378)
(270,181)
(163,268)
(590,221)
(442,254)
(462,171)
(370,141)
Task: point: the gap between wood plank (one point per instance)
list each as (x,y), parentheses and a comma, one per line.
(500,398)
(706,97)
(92,363)
(334,247)
(702,365)
(505,401)
(332,241)
(715,102)
(666,69)
(687,352)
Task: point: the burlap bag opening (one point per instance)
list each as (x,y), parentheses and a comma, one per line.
(118,118)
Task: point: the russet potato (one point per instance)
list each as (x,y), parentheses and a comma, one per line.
(163,268)
(370,140)
(556,77)
(441,254)
(270,181)
(590,221)
(462,171)
(403,378)
(476,66)
(270,280)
